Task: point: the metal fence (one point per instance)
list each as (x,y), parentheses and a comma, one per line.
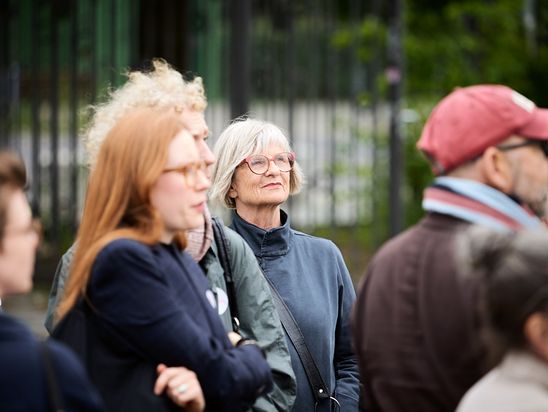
(273,59)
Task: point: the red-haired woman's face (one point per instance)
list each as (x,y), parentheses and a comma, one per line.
(18,247)
(179,194)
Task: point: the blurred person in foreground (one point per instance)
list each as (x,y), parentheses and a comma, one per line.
(255,174)
(415,326)
(147,301)
(24,361)
(513,273)
(165,88)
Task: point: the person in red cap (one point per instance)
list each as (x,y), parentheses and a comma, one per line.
(415,324)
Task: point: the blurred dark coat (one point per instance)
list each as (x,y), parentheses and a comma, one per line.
(23,384)
(415,323)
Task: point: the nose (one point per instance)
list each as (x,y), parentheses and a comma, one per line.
(203,181)
(273,168)
(206,154)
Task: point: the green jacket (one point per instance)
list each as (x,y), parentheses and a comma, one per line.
(259,319)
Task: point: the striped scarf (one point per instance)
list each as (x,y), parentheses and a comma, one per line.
(477,203)
(199,240)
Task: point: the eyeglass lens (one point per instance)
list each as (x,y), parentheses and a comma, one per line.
(544,147)
(190,172)
(259,164)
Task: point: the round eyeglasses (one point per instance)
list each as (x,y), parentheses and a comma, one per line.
(190,172)
(259,164)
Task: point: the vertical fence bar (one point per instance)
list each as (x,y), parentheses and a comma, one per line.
(5,12)
(134,8)
(113,38)
(395,75)
(35,91)
(354,90)
(73,125)
(330,74)
(312,106)
(374,68)
(54,122)
(93,34)
(291,82)
(239,62)
(14,112)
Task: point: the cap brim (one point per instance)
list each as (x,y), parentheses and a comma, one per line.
(537,128)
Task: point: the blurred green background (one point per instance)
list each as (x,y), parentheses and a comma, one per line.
(350,81)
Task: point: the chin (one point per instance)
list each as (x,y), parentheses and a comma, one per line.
(274,200)
(20,289)
(196,222)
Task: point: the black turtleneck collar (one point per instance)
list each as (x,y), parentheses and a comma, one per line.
(272,242)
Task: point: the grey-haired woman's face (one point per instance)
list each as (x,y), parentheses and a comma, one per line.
(255,191)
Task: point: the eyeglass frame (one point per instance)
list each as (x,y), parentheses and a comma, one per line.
(529,142)
(292,158)
(199,165)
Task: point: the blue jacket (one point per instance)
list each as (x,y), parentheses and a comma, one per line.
(310,275)
(22,373)
(158,299)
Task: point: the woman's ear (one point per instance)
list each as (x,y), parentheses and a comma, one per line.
(496,169)
(232,193)
(536,333)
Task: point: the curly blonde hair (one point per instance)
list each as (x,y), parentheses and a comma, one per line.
(163,87)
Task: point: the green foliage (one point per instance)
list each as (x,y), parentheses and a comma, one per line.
(418,174)
(465,42)
(447,43)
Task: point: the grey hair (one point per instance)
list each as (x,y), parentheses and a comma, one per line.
(512,271)
(242,138)
(163,87)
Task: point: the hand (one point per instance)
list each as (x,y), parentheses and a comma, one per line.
(234,338)
(182,387)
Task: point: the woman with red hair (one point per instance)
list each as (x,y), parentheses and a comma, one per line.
(148,303)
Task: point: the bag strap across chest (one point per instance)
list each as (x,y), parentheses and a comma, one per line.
(223,250)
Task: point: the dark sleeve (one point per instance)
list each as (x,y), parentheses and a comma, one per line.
(358,337)
(58,287)
(130,293)
(346,367)
(73,382)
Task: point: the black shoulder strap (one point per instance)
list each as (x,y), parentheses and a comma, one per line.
(223,249)
(51,381)
(319,388)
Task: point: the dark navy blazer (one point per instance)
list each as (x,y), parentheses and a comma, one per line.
(157,299)
(22,373)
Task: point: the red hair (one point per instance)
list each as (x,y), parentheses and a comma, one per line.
(130,161)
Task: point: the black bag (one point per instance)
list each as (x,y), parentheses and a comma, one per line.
(99,345)
(223,250)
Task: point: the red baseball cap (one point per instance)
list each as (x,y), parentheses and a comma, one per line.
(471,119)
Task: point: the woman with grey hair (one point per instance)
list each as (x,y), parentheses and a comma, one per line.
(256,171)
(512,269)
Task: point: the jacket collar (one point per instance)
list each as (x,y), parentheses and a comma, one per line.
(524,366)
(264,243)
